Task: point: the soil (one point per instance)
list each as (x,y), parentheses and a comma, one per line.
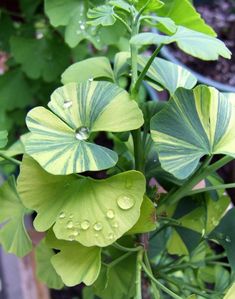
(220,15)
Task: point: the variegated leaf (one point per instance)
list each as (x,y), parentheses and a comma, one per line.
(60,141)
(195,123)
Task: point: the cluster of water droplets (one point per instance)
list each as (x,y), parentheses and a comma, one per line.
(82,27)
(75,228)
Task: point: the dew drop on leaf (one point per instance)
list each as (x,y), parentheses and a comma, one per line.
(76,233)
(62,215)
(110,214)
(82,26)
(85,224)
(71,238)
(125,202)
(228,239)
(71,216)
(115,225)
(90,79)
(82,133)
(110,236)
(67,104)
(98,226)
(70,224)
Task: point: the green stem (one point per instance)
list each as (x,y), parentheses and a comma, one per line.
(127,249)
(10,159)
(159,284)
(138,149)
(148,265)
(146,68)
(203,172)
(138,275)
(123,22)
(206,189)
(118,260)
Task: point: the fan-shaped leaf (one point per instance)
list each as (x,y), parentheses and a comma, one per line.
(72,15)
(13,235)
(75,263)
(183,13)
(192,42)
(45,271)
(194,123)
(95,67)
(101,15)
(59,141)
(83,209)
(167,74)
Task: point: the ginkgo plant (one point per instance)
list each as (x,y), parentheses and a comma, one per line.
(142,211)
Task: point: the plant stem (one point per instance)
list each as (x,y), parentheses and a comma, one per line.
(138,149)
(123,22)
(216,187)
(138,274)
(10,159)
(126,249)
(148,265)
(199,175)
(159,284)
(118,260)
(146,68)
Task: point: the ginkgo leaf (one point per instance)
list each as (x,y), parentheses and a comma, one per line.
(52,56)
(195,123)
(147,221)
(187,40)
(92,212)
(60,141)
(101,15)
(72,15)
(3,138)
(75,263)
(153,5)
(183,13)
(13,235)
(91,68)
(169,75)
(44,269)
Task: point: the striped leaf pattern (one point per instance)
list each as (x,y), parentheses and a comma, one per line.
(169,75)
(59,141)
(195,123)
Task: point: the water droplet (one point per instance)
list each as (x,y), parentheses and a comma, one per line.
(125,202)
(71,216)
(98,40)
(90,79)
(85,224)
(78,31)
(67,104)
(98,226)
(110,214)
(82,26)
(115,225)
(214,221)
(62,215)
(80,22)
(228,239)
(110,236)
(70,224)
(71,238)
(155,160)
(82,133)
(76,233)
